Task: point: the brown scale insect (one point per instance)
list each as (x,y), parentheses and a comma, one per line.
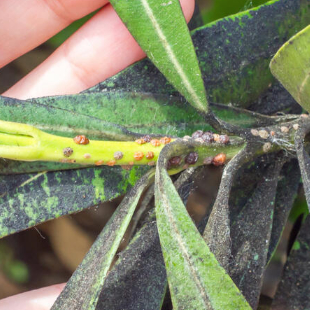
(208,160)
(99,163)
(216,137)
(111,163)
(149,155)
(155,142)
(138,155)
(208,137)
(174,161)
(165,140)
(140,141)
(191,158)
(197,134)
(146,138)
(118,155)
(87,155)
(81,139)
(68,151)
(224,139)
(219,159)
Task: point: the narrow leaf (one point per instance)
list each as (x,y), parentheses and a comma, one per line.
(138,280)
(217,232)
(303,159)
(83,289)
(61,121)
(287,189)
(234,55)
(291,67)
(196,279)
(162,114)
(250,235)
(161,31)
(294,288)
(30,199)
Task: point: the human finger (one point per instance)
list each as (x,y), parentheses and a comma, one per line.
(40,299)
(28,23)
(98,50)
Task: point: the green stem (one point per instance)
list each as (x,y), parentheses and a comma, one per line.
(26,143)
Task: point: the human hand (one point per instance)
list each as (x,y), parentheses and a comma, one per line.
(41,299)
(98,50)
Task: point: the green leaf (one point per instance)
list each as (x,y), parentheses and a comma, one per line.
(138,279)
(140,269)
(83,289)
(69,115)
(303,159)
(294,289)
(149,113)
(291,66)
(160,29)
(61,121)
(196,279)
(233,53)
(30,199)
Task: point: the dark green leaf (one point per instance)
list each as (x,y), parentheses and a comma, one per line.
(168,44)
(83,289)
(303,159)
(138,280)
(250,235)
(162,114)
(288,184)
(29,199)
(294,288)
(234,54)
(60,121)
(217,232)
(194,274)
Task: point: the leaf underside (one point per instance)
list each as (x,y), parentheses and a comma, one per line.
(161,31)
(82,290)
(194,275)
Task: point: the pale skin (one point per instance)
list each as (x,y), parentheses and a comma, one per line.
(98,50)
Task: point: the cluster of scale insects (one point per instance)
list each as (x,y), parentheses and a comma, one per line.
(190,159)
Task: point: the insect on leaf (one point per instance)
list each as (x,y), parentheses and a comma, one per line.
(160,29)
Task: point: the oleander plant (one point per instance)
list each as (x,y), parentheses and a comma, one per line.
(233,93)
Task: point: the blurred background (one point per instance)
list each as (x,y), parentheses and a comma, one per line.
(49,253)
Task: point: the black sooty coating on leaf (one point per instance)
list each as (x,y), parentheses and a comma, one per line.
(222,49)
